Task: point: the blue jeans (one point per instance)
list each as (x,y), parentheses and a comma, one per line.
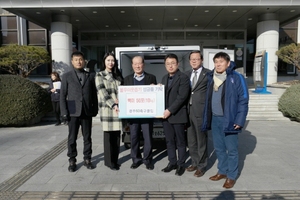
(226,147)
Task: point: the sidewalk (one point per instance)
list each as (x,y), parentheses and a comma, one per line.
(269,164)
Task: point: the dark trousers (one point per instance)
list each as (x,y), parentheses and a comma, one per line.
(175,138)
(86,127)
(111,147)
(197,142)
(136,125)
(56,110)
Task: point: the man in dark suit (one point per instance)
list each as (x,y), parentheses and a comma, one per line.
(177,90)
(140,77)
(197,140)
(78,104)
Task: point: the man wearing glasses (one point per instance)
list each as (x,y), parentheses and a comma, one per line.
(175,117)
(197,139)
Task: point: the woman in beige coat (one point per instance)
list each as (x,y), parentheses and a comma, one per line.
(107,82)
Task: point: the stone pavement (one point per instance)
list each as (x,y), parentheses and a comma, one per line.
(34,166)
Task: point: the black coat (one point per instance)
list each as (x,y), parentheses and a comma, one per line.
(177,96)
(55,96)
(74,97)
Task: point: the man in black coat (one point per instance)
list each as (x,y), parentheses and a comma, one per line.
(78,104)
(140,77)
(197,139)
(177,90)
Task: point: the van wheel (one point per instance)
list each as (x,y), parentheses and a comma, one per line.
(127,145)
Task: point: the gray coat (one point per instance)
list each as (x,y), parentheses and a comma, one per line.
(75,97)
(198,93)
(107,88)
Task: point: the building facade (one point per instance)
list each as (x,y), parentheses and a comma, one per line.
(97,27)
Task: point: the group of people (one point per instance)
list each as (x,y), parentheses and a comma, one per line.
(199,100)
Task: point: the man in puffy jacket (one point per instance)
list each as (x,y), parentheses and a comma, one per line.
(225,112)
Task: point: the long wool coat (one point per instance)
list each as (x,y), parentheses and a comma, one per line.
(107,88)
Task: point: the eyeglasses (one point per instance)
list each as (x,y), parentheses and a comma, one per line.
(193,60)
(171,64)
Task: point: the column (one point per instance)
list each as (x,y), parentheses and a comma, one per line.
(61,43)
(298,32)
(22,31)
(267,39)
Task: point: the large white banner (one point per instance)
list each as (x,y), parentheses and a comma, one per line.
(141,101)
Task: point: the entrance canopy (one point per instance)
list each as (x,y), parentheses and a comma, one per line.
(130,18)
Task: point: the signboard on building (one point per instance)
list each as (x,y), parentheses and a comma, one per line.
(141,101)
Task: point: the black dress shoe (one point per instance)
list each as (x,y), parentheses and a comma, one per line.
(149,166)
(180,170)
(135,165)
(114,168)
(72,167)
(88,164)
(169,168)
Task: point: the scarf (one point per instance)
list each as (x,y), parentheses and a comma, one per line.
(219,79)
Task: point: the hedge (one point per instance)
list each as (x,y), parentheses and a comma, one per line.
(23,102)
(289,102)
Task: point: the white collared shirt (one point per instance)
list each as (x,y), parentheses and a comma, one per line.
(139,78)
(198,73)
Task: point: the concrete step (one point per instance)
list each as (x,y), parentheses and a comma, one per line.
(264,107)
(266,115)
(263,96)
(267,118)
(263,103)
(269,112)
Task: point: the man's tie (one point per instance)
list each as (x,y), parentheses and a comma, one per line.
(194,81)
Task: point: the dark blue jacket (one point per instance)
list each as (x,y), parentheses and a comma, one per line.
(235,98)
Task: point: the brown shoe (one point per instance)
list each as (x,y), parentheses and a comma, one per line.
(191,168)
(229,183)
(217,177)
(199,173)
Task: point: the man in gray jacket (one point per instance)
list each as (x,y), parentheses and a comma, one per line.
(197,139)
(78,104)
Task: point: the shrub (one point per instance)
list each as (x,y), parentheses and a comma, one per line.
(20,59)
(289,102)
(23,102)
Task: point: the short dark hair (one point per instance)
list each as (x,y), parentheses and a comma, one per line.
(171,55)
(222,55)
(77,53)
(196,51)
